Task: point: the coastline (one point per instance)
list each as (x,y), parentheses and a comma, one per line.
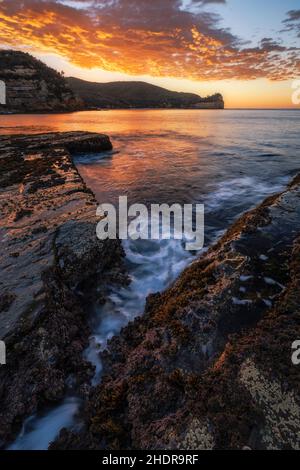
(199,369)
(107,109)
(150,244)
(144,109)
(208,365)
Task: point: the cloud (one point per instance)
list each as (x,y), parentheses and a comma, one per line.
(138,37)
(293,15)
(292,21)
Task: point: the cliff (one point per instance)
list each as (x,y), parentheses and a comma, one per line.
(138,95)
(208,365)
(32,87)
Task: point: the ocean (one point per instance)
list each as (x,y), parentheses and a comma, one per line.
(227,160)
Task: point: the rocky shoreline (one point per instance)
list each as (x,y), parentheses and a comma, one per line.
(51,260)
(208,365)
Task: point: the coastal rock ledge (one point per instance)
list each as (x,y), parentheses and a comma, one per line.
(209,364)
(50,258)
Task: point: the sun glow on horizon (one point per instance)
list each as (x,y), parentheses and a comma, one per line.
(182,45)
(259,93)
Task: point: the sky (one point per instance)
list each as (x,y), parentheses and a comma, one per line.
(247,50)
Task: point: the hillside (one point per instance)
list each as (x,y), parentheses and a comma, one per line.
(138,95)
(31,86)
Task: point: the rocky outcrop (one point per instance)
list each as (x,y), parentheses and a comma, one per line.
(32,87)
(50,260)
(211,102)
(209,365)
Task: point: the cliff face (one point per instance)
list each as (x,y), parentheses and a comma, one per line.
(211,102)
(138,95)
(31,86)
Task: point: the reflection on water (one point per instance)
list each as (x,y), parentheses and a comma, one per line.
(228,160)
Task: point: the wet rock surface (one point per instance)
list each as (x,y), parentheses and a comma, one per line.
(51,265)
(209,365)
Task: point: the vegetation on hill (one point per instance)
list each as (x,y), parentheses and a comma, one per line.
(32,86)
(137,95)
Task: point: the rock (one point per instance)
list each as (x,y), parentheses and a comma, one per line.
(33,87)
(211,102)
(209,365)
(49,250)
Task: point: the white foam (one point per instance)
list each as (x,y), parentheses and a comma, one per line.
(236,301)
(153,265)
(240,188)
(245,278)
(38,432)
(272,282)
(267,302)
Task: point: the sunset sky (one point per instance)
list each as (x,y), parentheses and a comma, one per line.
(247,50)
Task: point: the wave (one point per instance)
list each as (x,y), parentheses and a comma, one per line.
(237,189)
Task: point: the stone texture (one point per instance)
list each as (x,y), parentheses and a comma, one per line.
(32,87)
(209,365)
(50,257)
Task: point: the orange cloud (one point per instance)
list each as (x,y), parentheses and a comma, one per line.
(139,37)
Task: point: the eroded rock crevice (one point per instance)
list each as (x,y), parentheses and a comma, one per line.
(209,365)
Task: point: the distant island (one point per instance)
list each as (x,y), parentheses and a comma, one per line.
(32,86)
